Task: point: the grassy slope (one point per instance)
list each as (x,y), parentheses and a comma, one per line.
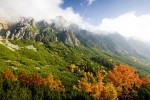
(56,58)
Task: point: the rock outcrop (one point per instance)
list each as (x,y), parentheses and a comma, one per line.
(68,38)
(25,29)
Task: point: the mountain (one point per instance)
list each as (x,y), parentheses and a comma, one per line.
(71,34)
(56,31)
(25,29)
(57,59)
(141,47)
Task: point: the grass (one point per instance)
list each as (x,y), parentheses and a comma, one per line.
(55,58)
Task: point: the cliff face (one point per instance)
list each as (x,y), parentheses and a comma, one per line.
(68,38)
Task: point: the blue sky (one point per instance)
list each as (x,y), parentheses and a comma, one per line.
(100,9)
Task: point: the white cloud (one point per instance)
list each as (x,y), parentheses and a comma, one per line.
(129,25)
(38,9)
(90,1)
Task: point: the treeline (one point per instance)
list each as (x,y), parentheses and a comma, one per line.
(121,83)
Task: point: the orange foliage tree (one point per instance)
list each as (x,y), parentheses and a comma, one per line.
(97,87)
(124,78)
(34,79)
(8,74)
(146,81)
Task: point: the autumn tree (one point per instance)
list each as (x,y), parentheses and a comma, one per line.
(72,67)
(33,79)
(85,83)
(124,78)
(36,79)
(23,77)
(109,92)
(8,74)
(55,85)
(91,85)
(97,87)
(146,81)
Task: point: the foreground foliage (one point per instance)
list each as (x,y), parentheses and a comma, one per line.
(121,83)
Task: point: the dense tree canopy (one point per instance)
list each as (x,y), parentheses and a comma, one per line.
(120,83)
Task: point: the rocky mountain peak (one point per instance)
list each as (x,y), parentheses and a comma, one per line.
(25,29)
(43,31)
(27,22)
(69,34)
(43,24)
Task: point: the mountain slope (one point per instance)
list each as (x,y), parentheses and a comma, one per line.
(53,44)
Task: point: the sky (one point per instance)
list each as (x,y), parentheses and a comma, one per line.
(130,18)
(99,9)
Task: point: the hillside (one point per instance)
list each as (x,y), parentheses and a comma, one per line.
(49,36)
(44,48)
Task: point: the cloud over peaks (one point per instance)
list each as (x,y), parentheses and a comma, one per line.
(38,9)
(128,24)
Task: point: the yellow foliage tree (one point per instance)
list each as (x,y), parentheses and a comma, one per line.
(97,87)
(55,85)
(91,85)
(84,83)
(72,67)
(109,92)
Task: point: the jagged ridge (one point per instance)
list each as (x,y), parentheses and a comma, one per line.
(42,31)
(70,34)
